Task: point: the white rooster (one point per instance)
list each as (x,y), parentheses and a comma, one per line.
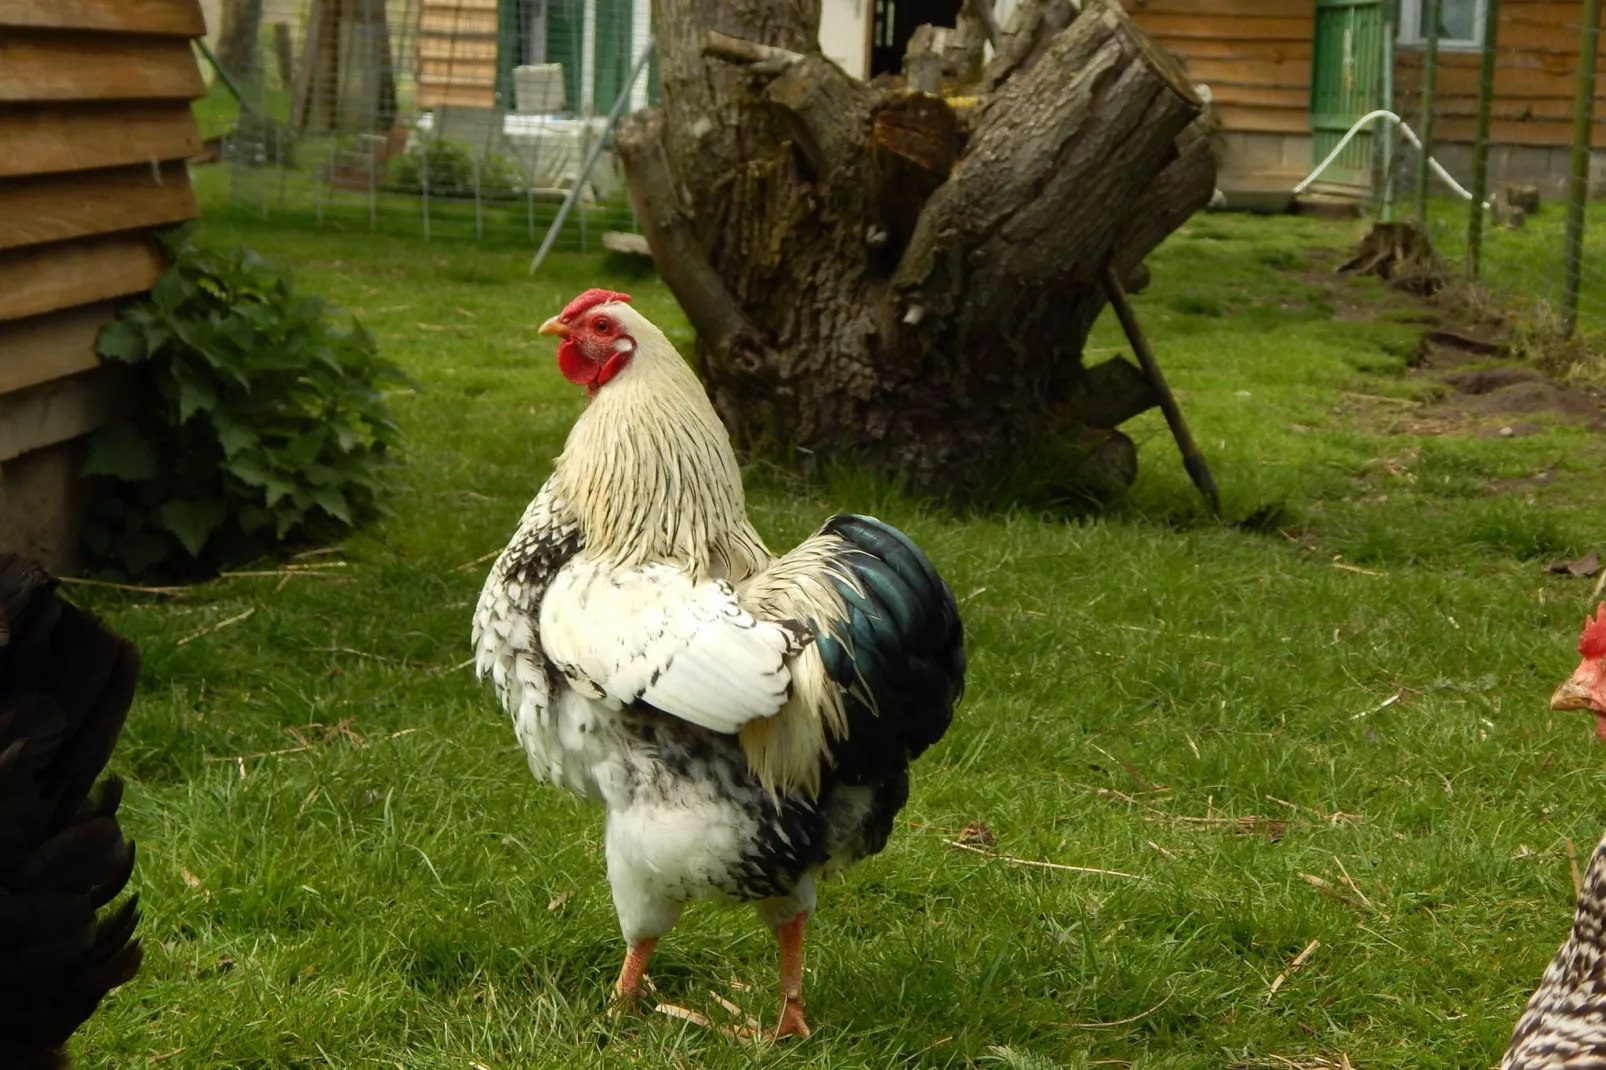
(747,721)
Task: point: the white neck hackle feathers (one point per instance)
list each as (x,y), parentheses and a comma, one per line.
(649,473)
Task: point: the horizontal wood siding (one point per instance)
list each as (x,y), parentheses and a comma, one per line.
(181,18)
(46,139)
(1253,54)
(95,127)
(41,348)
(49,208)
(1536,55)
(59,66)
(456,53)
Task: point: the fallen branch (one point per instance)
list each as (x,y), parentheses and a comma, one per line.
(1333,893)
(1572,864)
(466,565)
(1120,1021)
(218,627)
(739,50)
(109,585)
(1299,960)
(1354,568)
(1043,865)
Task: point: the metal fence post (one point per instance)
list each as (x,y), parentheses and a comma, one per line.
(1480,145)
(1578,179)
(1430,71)
(1388,132)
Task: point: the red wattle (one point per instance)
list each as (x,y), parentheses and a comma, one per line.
(575,365)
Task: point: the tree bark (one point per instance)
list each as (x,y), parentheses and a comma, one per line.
(889,276)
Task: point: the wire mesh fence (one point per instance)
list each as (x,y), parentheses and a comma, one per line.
(449,119)
(1502,81)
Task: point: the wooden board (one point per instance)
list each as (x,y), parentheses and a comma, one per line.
(434,96)
(42,348)
(79,66)
(76,137)
(50,208)
(1289,74)
(1262,120)
(1209,28)
(1235,49)
(1214,9)
(44,278)
(458,50)
(449,22)
(180,17)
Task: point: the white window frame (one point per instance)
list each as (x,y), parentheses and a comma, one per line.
(1411,14)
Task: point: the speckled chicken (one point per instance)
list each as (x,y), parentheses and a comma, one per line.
(1564,1025)
(746,720)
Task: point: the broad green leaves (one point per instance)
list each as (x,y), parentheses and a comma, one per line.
(259,420)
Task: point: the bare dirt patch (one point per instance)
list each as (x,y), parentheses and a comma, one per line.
(1481,388)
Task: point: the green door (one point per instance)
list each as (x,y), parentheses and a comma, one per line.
(1344,85)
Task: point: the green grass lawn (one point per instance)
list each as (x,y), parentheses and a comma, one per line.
(1356,693)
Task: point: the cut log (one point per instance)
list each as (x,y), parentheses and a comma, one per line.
(887,276)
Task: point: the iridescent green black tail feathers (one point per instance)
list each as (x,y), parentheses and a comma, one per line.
(66,682)
(900,655)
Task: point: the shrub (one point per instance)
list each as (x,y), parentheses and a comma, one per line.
(451,167)
(257,420)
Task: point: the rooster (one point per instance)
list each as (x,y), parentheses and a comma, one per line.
(1564,1025)
(65,686)
(747,721)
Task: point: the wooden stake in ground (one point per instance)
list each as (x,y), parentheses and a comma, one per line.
(1192,458)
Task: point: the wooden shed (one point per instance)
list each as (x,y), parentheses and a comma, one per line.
(1288,79)
(95,128)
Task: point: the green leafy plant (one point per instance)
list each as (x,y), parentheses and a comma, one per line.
(451,170)
(256,420)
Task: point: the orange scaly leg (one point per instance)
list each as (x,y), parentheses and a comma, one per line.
(790,936)
(634,971)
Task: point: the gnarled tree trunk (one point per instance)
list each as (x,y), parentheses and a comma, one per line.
(898,277)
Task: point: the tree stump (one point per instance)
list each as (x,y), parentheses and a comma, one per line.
(890,276)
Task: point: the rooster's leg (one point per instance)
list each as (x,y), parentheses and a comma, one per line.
(790,936)
(634,972)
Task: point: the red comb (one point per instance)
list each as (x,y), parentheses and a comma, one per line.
(590,299)
(1592,644)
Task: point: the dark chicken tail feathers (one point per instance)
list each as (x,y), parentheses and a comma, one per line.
(900,657)
(66,683)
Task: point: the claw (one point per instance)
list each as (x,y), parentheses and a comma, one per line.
(791,1023)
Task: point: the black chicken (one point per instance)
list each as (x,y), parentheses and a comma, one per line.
(66,682)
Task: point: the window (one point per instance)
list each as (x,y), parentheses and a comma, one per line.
(1460,23)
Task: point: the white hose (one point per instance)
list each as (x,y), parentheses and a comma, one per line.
(1410,135)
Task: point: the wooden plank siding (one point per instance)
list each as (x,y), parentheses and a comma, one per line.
(1536,55)
(1255,56)
(179,18)
(456,53)
(51,138)
(95,127)
(43,65)
(50,208)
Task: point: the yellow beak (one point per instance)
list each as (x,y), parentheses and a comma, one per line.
(555,326)
(1571,696)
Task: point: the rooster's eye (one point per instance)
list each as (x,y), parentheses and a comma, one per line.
(603,326)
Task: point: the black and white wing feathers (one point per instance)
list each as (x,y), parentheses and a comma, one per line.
(656,635)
